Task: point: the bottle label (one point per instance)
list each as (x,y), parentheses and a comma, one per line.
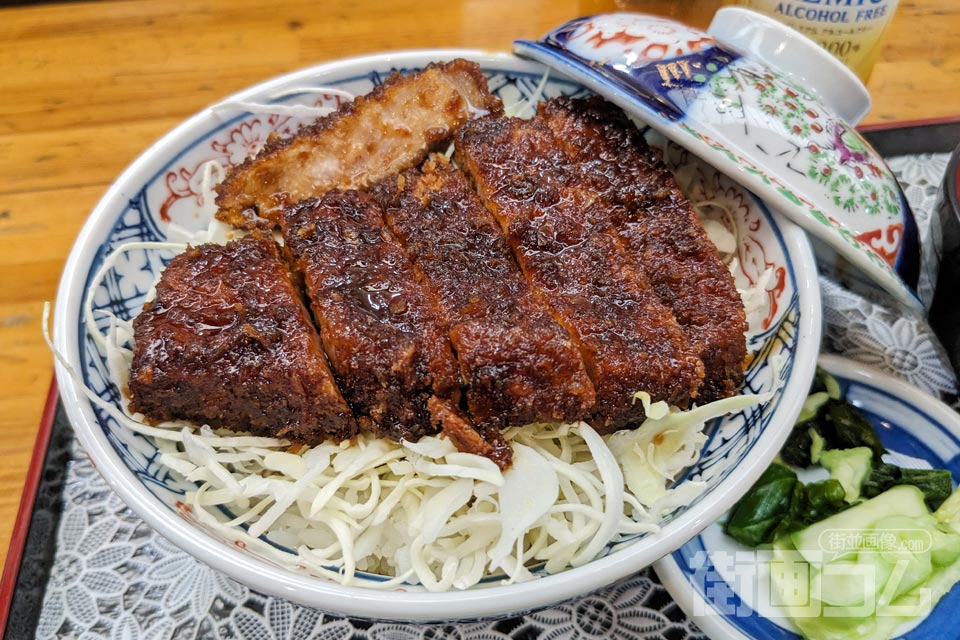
(849,29)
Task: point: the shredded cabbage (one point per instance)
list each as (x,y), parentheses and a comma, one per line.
(424,512)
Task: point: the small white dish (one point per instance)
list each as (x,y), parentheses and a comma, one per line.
(720,584)
(771,109)
(162,186)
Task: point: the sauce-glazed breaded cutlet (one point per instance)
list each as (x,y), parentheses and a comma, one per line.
(390,129)
(519,365)
(228,342)
(380,327)
(629,340)
(658,225)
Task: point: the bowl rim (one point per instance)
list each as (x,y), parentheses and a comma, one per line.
(361,602)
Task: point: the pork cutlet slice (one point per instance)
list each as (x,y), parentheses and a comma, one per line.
(629,340)
(380,328)
(228,342)
(659,226)
(519,365)
(372,137)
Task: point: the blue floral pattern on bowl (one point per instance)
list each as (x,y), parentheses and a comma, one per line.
(163,188)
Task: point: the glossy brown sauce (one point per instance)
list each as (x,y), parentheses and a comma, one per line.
(227,342)
(380,328)
(519,365)
(560,275)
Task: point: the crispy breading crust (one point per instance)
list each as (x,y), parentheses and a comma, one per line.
(482,440)
(388,130)
(519,364)
(558,231)
(570,274)
(659,226)
(381,328)
(228,342)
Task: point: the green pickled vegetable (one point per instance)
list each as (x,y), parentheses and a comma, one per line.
(755,518)
(809,504)
(826,421)
(907,501)
(817,446)
(949,511)
(812,406)
(846,428)
(859,554)
(779,504)
(823,499)
(825,383)
(936,484)
(796,450)
(850,467)
(862,573)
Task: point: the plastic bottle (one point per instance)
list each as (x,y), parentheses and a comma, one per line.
(849,29)
(696,13)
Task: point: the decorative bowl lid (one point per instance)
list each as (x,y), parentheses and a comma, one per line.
(771,109)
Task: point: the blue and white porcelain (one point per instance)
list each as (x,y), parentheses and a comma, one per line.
(164,187)
(722,586)
(769,108)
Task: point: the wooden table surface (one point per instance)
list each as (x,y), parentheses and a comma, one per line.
(86,87)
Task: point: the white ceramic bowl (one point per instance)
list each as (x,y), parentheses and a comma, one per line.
(161,186)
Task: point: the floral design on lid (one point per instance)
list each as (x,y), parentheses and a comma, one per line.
(619,40)
(779,134)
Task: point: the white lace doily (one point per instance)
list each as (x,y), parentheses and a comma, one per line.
(880,335)
(113,577)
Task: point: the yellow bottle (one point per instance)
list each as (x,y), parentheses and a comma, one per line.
(849,29)
(696,13)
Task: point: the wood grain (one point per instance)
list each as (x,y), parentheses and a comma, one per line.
(86,87)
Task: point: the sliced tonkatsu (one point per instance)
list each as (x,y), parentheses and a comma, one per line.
(551,274)
(629,340)
(660,227)
(227,341)
(381,328)
(519,365)
(390,129)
